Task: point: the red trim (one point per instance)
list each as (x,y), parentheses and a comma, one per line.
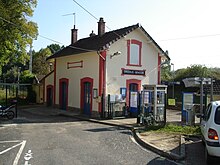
(54,81)
(159,69)
(102,76)
(60,91)
(128,52)
(50,86)
(129,42)
(82,81)
(128,82)
(77,64)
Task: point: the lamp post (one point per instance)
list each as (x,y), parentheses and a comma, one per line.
(173,81)
(16,103)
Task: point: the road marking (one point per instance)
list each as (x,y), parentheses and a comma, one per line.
(20,143)
(19,152)
(12,141)
(27,157)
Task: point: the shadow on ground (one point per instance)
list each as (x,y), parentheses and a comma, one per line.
(160,161)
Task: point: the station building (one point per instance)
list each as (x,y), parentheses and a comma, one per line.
(108,63)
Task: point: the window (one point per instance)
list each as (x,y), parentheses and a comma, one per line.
(208,112)
(134,52)
(217,115)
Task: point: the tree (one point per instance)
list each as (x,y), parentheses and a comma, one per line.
(166,74)
(54,48)
(40,65)
(192,71)
(16,30)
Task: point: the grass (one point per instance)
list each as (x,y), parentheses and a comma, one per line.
(175,129)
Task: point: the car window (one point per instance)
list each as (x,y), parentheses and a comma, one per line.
(217,115)
(208,112)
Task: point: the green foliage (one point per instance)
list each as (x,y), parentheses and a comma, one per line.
(16,30)
(26,77)
(166,73)
(192,71)
(40,65)
(54,48)
(31,95)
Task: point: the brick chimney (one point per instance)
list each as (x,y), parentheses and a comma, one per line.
(73,35)
(101,26)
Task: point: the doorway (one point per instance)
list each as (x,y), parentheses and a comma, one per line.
(86,95)
(63,94)
(133,87)
(49,95)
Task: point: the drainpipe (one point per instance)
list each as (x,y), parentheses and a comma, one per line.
(102,75)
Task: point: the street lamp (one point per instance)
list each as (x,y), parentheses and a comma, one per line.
(17,89)
(173,81)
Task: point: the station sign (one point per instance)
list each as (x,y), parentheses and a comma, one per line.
(133,72)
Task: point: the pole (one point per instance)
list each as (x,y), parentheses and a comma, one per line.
(6,96)
(139,107)
(173,93)
(211,97)
(201,95)
(30,65)
(16,105)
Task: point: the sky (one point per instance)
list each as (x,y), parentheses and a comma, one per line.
(188,29)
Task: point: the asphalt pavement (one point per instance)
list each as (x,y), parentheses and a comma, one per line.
(48,137)
(194,151)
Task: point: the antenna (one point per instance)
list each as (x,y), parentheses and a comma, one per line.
(74,18)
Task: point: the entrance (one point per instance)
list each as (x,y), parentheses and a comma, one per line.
(87,98)
(86,95)
(63,94)
(49,95)
(133,88)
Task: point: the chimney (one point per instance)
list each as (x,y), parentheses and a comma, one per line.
(92,34)
(101,26)
(74,35)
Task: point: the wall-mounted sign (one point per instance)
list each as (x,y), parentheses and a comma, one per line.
(76,64)
(133,72)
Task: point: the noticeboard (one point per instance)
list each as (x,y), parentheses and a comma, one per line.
(133,99)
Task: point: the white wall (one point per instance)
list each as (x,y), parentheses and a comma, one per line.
(149,62)
(49,80)
(90,69)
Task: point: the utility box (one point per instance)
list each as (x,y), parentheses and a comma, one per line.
(190,115)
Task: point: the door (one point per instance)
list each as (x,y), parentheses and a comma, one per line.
(204,122)
(87,98)
(49,96)
(63,94)
(133,98)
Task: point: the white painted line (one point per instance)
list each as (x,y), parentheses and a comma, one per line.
(13,141)
(19,152)
(4,151)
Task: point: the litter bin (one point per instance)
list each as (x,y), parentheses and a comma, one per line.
(190,116)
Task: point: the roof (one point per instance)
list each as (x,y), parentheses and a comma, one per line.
(98,43)
(43,78)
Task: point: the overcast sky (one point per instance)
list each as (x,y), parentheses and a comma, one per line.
(188,29)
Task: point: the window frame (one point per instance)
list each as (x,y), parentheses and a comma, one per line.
(139,44)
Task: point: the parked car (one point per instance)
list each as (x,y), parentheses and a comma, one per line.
(210,128)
